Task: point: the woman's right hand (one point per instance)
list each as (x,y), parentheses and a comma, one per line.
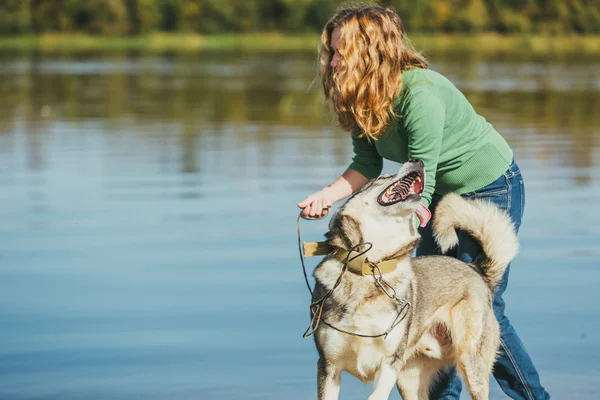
(317,205)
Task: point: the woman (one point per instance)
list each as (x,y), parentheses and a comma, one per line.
(396,108)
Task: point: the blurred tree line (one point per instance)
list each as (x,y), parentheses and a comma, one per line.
(132,17)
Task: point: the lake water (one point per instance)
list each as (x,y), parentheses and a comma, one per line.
(148,221)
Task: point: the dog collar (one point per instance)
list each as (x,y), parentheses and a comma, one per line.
(359,265)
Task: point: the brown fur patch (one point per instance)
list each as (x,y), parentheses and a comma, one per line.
(344,232)
(373,297)
(405,251)
(441,333)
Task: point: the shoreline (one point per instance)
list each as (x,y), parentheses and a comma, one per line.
(484,44)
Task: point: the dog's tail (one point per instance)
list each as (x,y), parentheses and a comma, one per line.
(484,221)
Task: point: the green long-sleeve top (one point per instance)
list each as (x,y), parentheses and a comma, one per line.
(461,151)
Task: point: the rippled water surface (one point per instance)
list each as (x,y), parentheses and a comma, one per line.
(148,222)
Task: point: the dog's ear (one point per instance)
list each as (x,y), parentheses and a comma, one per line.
(344,232)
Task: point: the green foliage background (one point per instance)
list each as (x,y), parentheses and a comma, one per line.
(133,17)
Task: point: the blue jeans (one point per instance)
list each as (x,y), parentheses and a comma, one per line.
(514,370)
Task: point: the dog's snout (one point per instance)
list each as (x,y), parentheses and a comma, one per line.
(414,160)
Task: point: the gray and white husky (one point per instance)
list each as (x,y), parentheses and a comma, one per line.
(400,325)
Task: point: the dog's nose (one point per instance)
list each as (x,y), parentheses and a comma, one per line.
(414,160)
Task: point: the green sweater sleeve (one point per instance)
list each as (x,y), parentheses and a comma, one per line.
(423,120)
(366,159)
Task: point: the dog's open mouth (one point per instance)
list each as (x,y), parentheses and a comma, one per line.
(402,189)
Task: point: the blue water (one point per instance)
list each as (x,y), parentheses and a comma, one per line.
(148,223)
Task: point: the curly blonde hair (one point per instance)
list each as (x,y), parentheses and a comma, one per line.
(374,51)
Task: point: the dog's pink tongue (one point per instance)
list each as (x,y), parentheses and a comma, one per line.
(424,215)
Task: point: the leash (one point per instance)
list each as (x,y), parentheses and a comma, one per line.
(316,307)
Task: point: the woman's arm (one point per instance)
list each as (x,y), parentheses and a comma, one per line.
(318,203)
(366,164)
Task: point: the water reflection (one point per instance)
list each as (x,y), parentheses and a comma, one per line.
(147,244)
(243,99)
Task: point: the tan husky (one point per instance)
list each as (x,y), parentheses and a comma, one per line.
(385,317)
